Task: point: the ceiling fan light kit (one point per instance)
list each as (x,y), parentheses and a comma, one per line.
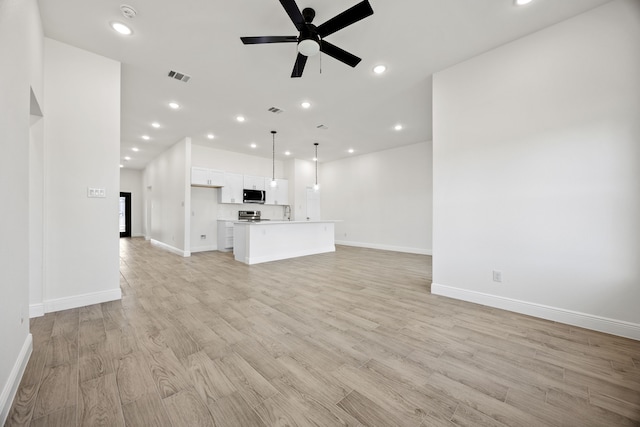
(311,38)
(308,47)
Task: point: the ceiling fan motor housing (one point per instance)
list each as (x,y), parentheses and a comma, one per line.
(308,14)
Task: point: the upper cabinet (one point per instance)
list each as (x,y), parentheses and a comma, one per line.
(232,185)
(231,192)
(254,182)
(278,195)
(205,177)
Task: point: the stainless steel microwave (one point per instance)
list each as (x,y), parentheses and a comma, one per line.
(253,196)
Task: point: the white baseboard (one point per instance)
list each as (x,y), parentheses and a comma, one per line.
(204,248)
(75,301)
(569,317)
(170,248)
(36,310)
(419,251)
(15,376)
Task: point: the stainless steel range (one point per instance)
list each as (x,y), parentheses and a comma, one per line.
(253,216)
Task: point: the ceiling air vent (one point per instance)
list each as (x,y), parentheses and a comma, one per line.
(323,127)
(276,110)
(179,76)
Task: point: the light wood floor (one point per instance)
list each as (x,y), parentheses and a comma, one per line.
(348,338)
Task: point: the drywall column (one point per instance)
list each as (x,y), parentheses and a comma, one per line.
(36,211)
(21,71)
(82,150)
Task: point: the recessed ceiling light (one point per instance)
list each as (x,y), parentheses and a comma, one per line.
(306,104)
(351,150)
(121,28)
(146,137)
(287,153)
(253,145)
(127,158)
(522,2)
(379,69)
(210,136)
(155,125)
(174,105)
(398,127)
(121,166)
(240,118)
(136,149)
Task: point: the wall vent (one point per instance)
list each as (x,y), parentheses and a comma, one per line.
(323,127)
(276,110)
(179,76)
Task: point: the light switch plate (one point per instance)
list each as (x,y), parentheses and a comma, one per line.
(96,192)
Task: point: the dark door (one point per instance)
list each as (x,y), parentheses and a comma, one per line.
(125,214)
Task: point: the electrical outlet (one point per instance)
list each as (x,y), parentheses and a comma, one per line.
(21,314)
(497,276)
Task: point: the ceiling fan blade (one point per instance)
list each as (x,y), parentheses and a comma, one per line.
(339,54)
(269,39)
(298,67)
(346,18)
(294,13)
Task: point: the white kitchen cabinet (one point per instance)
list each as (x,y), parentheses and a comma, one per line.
(278,195)
(231,192)
(225,236)
(254,182)
(205,177)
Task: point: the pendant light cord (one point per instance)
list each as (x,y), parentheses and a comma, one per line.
(316,144)
(273,156)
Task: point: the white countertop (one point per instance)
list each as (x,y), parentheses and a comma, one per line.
(273,222)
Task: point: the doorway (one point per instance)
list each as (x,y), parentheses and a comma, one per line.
(125,214)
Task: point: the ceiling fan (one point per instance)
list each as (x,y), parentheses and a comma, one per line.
(311,38)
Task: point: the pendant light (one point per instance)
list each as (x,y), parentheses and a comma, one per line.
(273,159)
(316,187)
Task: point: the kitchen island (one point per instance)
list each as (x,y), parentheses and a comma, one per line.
(264,241)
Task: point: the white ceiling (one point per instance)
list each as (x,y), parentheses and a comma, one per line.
(413,38)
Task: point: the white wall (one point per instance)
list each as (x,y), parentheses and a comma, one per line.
(131,182)
(383,198)
(168,197)
(21,69)
(82,149)
(304,178)
(204,215)
(537,173)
